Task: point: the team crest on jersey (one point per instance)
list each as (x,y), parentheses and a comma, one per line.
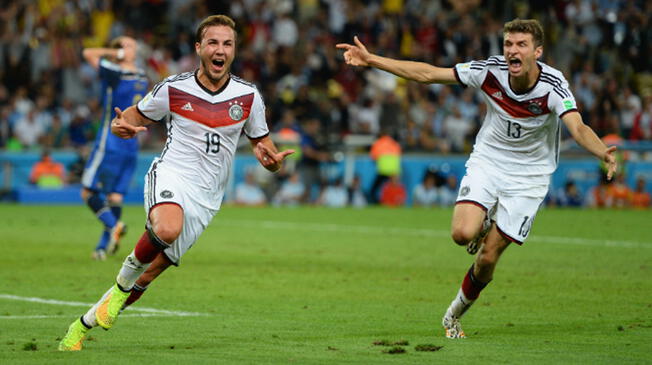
(534,108)
(464,191)
(166,194)
(235,111)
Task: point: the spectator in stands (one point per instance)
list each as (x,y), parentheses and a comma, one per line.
(386,152)
(569,196)
(248,193)
(29,131)
(393,193)
(292,191)
(598,196)
(47,173)
(334,195)
(356,197)
(618,193)
(425,194)
(640,197)
(448,191)
(313,153)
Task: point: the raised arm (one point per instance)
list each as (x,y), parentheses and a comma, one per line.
(267,154)
(357,55)
(586,137)
(128,123)
(93,55)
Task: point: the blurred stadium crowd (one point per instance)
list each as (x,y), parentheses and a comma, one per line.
(49,96)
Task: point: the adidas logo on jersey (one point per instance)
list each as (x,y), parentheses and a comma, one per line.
(188,107)
(498,95)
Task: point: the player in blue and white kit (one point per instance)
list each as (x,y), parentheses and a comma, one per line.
(206,112)
(112,162)
(515,152)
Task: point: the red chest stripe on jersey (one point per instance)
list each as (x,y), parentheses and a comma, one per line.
(220,114)
(518,109)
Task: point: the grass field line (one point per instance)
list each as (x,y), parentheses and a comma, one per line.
(42,316)
(331,227)
(149,311)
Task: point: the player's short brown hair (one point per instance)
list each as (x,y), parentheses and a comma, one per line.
(214,20)
(530,26)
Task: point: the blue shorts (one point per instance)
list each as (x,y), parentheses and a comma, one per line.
(109,172)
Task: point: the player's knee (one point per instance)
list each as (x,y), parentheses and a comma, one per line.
(462,235)
(115,199)
(166,233)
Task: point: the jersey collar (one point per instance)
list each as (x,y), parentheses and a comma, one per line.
(212,93)
(509,81)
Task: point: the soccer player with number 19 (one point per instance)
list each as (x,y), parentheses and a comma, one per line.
(206,111)
(515,152)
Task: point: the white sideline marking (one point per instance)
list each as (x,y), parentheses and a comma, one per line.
(329,227)
(151,311)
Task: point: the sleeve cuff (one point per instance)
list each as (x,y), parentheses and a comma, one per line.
(457,77)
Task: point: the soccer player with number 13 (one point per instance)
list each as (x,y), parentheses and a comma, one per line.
(515,152)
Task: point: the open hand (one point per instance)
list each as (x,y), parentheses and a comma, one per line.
(610,161)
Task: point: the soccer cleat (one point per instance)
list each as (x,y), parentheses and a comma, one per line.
(107,312)
(99,255)
(72,341)
(452,326)
(117,232)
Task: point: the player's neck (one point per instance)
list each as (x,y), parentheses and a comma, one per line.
(525,83)
(130,66)
(211,84)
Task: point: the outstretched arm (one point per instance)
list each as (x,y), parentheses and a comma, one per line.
(357,55)
(586,137)
(128,123)
(267,154)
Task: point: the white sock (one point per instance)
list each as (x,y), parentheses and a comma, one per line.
(460,304)
(89,317)
(130,271)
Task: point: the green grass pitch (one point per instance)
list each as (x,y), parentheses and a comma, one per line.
(320,286)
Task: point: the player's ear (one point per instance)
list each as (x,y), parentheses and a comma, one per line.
(538,52)
(197,47)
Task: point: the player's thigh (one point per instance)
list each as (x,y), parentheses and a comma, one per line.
(477,195)
(467,217)
(166,220)
(515,216)
(196,219)
(164,200)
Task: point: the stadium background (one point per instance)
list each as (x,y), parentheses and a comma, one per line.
(287,49)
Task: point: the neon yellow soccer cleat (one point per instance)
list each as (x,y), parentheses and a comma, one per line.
(107,312)
(72,341)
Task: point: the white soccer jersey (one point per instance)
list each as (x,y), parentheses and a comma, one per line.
(204,128)
(520,133)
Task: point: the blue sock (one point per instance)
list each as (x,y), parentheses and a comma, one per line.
(116,210)
(104,240)
(102,212)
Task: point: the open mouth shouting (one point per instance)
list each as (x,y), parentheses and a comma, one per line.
(218,65)
(515,64)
